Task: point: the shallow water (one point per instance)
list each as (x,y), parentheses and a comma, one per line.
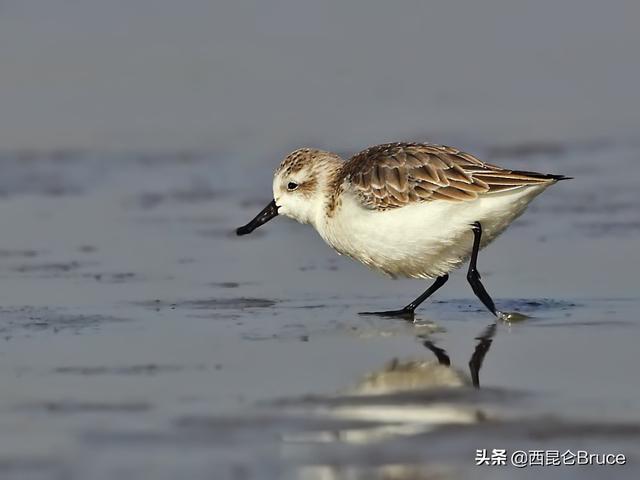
(142,339)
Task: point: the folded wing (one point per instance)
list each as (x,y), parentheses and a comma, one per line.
(397,174)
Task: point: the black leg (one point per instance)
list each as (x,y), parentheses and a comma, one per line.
(440,353)
(473,277)
(484,343)
(408,311)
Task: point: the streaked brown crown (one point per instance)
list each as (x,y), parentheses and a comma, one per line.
(299,159)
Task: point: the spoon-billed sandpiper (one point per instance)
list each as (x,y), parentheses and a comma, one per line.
(413,210)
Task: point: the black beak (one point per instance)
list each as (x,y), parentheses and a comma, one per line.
(263,217)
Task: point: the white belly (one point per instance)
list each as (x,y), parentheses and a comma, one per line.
(422,240)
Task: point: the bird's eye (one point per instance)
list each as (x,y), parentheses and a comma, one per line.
(291,186)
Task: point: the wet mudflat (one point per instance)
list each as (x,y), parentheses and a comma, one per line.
(139,338)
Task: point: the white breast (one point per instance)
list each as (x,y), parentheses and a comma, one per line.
(422,240)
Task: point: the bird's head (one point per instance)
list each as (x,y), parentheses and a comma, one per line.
(301,186)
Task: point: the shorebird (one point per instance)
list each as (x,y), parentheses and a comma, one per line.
(416,210)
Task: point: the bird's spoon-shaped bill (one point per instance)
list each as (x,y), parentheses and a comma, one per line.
(267,213)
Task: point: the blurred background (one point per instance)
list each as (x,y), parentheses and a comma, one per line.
(252,75)
(139,338)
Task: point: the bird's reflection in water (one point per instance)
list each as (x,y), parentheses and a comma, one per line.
(412,375)
(383,472)
(406,398)
(410,396)
(475,362)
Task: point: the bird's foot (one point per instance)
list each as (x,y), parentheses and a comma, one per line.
(404,313)
(512,317)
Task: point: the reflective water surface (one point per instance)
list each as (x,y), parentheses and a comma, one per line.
(142,339)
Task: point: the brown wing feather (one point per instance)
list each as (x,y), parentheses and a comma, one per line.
(397,174)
